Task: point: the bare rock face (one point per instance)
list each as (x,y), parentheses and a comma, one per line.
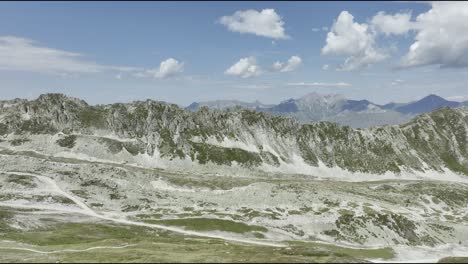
(431,141)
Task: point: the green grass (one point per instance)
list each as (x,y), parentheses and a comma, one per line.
(148,245)
(381,253)
(205,153)
(210,224)
(453,260)
(93,117)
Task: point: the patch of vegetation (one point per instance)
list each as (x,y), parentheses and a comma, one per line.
(96,182)
(36,127)
(171,247)
(53,198)
(81,193)
(130,208)
(132,148)
(93,117)
(23,180)
(3,129)
(210,224)
(117,196)
(114,146)
(211,182)
(67,141)
(381,253)
(19,141)
(269,158)
(167,146)
(205,153)
(450,194)
(250,213)
(331,203)
(453,260)
(452,163)
(5,216)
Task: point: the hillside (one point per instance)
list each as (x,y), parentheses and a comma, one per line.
(163,135)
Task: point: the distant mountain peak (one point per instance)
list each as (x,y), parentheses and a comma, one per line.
(323,97)
(426,104)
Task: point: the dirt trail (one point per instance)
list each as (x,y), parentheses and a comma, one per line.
(88,211)
(65,250)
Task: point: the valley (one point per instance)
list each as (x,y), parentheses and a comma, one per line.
(152,182)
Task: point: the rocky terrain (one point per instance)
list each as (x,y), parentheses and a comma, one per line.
(126,179)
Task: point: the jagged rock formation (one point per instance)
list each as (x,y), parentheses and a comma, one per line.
(241,137)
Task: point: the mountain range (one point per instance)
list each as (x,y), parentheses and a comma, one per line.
(69,169)
(336,108)
(163,135)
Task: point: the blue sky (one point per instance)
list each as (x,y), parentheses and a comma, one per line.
(181,52)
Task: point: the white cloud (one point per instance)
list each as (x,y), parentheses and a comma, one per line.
(292,64)
(397,24)
(354,40)
(325,67)
(318,84)
(441,38)
(266,23)
(21,54)
(167,68)
(245,68)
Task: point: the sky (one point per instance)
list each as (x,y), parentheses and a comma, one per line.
(181,52)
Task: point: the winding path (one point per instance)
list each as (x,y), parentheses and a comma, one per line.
(88,211)
(65,250)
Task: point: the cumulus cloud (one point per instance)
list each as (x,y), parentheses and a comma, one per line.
(266,23)
(397,24)
(441,38)
(318,84)
(292,64)
(354,40)
(167,68)
(244,68)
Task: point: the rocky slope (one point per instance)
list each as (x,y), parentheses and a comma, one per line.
(159,134)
